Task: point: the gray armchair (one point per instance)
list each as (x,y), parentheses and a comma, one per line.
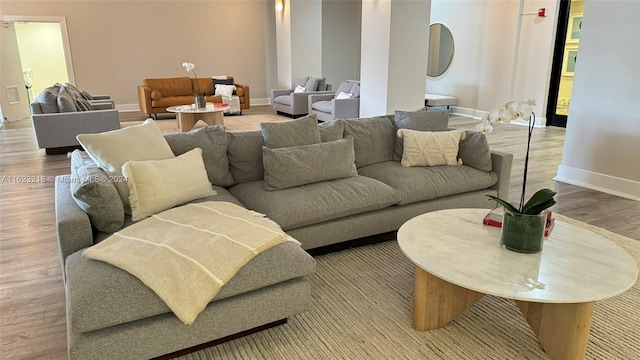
(328,106)
(295,104)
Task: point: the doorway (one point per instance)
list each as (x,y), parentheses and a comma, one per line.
(36,55)
(565,57)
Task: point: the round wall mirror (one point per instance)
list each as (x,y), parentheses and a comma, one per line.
(440,49)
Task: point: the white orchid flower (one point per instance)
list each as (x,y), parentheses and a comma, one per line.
(188,66)
(484,127)
(520,110)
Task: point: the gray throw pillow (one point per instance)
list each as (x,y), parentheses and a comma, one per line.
(474,151)
(83,105)
(299,165)
(373,138)
(86,95)
(345,87)
(420,121)
(66,102)
(312,85)
(212,140)
(93,191)
(302,82)
(73,90)
(48,100)
(331,130)
(355,91)
(301,131)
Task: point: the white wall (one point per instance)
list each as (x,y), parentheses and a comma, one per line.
(494,61)
(117,44)
(306,38)
(341,25)
(602,143)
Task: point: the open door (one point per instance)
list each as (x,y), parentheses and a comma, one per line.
(565,57)
(35,55)
(14,100)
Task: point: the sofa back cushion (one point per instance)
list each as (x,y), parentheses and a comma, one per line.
(420,121)
(170,86)
(331,130)
(213,142)
(301,131)
(373,139)
(474,151)
(245,155)
(205,85)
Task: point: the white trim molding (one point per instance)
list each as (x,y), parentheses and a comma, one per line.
(625,188)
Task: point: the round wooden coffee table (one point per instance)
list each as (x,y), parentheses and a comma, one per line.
(459,260)
(188,116)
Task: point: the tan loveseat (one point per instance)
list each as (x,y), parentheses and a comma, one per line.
(156,95)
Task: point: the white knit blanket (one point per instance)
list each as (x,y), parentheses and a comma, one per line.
(186,254)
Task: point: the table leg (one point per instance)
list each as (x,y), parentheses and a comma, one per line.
(436,301)
(213,118)
(186,121)
(562,329)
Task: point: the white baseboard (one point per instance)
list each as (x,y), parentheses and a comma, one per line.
(472,113)
(601,182)
(127,107)
(136,107)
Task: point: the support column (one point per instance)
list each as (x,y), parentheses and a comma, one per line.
(395,41)
(298,40)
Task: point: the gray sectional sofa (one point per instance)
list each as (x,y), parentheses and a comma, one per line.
(339,182)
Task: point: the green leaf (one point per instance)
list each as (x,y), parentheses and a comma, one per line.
(504,203)
(536,210)
(541,197)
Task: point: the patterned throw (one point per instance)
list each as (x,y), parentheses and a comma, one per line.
(186,254)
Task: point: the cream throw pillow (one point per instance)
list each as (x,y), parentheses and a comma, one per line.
(111,149)
(299,89)
(343,95)
(224,90)
(430,148)
(158,185)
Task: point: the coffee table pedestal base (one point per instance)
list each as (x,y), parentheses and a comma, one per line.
(562,329)
(186,121)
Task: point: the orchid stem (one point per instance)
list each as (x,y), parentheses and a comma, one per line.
(526,159)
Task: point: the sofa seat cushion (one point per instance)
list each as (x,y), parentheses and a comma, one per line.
(324,106)
(283,99)
(425,183)
(101,295)
(314,203)
(173,101)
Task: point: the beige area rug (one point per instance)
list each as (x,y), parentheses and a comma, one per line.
(232,123)
(362,309)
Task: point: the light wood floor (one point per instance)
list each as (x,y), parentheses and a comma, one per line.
(32,308)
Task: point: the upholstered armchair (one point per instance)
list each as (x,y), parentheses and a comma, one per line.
(293,102)
(343,104)
(58,116)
